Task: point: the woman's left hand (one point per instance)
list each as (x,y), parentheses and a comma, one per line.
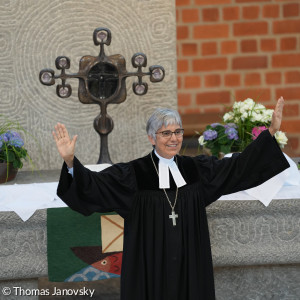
(277,116)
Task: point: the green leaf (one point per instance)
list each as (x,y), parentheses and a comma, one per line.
(226,149)
(10,156)
(17,164)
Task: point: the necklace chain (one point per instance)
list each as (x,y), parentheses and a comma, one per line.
(172,206)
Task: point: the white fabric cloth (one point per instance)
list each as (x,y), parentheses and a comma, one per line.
(25,199)
(267,190)
(164,166)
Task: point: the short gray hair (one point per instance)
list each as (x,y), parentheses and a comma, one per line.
(162,117)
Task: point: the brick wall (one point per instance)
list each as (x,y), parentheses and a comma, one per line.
(234,49)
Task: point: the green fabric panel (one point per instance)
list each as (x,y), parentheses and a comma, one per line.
(66,229)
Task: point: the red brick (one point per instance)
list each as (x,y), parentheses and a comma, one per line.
(182,32)
(212,80)
(190,15)
(250,12)
(291,126)
(268,45)
(292,77)
(289,93)
(250,28)
(273,78)
(189,49)
(210,14)
(257,94)
(212,110)
(184,99)
(192,110)
(209,64)
(290,10)
(213,97)
(182,2)
(192,82)
(209,48)
(211,2)
(249,62)
(293,142)
(286,60)
(291,110)
(286,26)
(232,79)
(181,110)
(182,65)
(248,1)
(228,47)
(271,11)
(231,13)
(252,79)
(289,43)
(249,46)
(211,31)
(179,82)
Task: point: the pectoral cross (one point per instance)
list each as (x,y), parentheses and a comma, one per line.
(173,216)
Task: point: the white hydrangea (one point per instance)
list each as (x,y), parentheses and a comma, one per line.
(248,110)
(248,104)
(228,116)
(267,115)
(244,116)
(201,140)
(236,105)
(281,138)
(256,117)
(258,108)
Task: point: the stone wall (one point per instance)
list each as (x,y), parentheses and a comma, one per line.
(255,251)
(33,33)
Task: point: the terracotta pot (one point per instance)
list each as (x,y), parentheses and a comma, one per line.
(12,172)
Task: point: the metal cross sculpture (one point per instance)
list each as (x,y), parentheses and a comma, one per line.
(102,81)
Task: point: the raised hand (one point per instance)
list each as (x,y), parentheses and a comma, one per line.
(65,146)
(277,116)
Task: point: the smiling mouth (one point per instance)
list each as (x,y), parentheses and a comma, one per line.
(172,146)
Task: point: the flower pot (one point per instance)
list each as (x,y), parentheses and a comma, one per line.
(12,172)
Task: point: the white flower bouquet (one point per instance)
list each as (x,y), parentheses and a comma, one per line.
(246,120)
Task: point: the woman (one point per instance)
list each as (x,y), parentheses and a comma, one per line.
(162,198)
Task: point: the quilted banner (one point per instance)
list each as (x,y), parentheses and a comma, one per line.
(83,248)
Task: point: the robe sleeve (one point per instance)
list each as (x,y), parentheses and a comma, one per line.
(110,190)
(260,161)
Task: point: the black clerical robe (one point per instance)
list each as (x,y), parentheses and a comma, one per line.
(162,261)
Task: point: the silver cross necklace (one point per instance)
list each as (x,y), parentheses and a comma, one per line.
(173,216)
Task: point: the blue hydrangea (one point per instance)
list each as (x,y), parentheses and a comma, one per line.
(12,138)
(230,125)
(213,125)
(232,133)
(3,138)
(210,134)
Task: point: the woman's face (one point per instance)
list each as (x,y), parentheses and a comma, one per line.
(167,147)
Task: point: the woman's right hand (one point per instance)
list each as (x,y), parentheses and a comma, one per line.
(65,146)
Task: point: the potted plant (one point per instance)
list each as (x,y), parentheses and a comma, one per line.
(12,150)
(242,124)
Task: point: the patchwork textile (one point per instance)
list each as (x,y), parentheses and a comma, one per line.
(75,245)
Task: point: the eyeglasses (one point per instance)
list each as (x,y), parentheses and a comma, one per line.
(168,133)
